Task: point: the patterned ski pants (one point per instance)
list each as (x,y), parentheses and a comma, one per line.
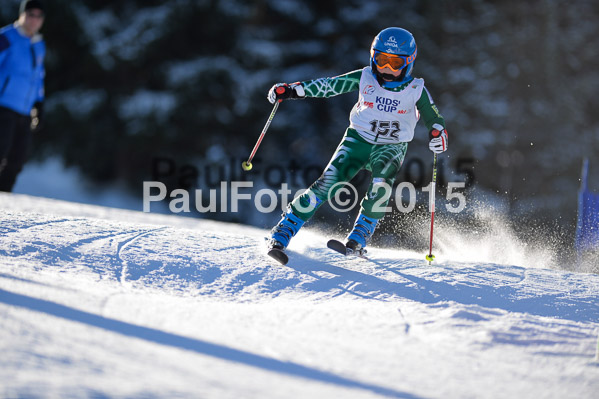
(352,155)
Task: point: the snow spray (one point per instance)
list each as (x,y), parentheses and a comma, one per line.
(492,240)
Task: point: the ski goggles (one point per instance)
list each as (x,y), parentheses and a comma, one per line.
(393,61)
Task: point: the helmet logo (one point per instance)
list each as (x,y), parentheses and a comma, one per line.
(391,42)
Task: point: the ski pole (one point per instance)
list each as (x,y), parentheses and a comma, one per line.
(430,257)
(247,165)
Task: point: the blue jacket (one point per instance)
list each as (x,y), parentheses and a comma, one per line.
(21,70)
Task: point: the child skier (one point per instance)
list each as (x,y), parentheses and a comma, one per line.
(382,123)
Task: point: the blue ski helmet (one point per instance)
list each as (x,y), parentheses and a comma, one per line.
(386,46)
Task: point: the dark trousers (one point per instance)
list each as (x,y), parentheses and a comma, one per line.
(15,143)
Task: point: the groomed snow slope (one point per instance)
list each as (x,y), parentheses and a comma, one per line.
(99,302)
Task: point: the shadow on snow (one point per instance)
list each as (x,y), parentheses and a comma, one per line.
(191,344)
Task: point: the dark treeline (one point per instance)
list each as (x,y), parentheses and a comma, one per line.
(130,82)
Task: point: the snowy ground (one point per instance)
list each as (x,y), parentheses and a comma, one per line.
(100,302)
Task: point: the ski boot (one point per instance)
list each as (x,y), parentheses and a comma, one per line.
(360,235)
(281,234)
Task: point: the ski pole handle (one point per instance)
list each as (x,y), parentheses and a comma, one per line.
(247,165)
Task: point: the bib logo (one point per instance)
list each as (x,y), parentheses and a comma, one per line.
(386,104)
(368,90)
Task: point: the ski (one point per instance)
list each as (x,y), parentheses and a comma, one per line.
(340,247)
(337,246)
(278,255)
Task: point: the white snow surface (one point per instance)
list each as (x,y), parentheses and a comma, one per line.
(101,302)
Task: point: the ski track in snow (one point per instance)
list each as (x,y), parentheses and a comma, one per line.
(97,302)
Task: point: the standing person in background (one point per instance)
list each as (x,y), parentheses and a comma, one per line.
(22,52)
